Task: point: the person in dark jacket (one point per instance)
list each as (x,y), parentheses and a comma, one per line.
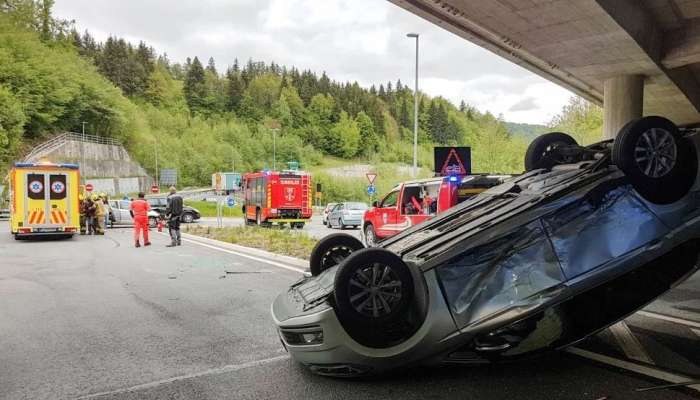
(173,212)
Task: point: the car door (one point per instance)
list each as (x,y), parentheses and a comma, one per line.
(124,211)
(114,204)
(336,214)
(387,214)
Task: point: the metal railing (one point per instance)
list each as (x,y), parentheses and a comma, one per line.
(60,140)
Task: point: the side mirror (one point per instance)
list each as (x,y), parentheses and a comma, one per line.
(375,204)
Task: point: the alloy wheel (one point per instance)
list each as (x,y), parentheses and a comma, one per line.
(374,290)
(655,152)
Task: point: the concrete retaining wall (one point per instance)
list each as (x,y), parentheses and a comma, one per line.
(113,186)
(109,168)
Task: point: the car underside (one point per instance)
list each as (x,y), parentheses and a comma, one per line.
(537,263)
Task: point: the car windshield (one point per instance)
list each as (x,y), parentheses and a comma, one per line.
(356,206)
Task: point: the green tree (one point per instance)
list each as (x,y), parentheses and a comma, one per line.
(581,119)
(344,137)
(12,121)
(368,136)
(195,88)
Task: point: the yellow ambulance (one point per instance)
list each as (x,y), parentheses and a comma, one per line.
(44,199)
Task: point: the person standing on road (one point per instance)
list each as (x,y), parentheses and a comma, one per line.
(90,210)
(99,215)
(173,212)
(139,210)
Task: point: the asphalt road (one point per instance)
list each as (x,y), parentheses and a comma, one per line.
(93,317)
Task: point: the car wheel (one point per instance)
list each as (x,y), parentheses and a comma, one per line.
(341,225)
(660,163)
(299,225)
(373,289)
(258,218)
(152,222)
(187,218)
(332,250)
(370,236)
(542,151)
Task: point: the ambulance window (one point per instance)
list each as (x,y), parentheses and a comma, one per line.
(390,199)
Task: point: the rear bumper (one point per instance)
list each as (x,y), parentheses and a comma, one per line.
(47,232)
(287,220)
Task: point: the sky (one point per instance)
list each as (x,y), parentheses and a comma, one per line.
(352,40)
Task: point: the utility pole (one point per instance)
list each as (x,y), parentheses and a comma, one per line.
(84,130)
(415,112)
(274,149)
(155,147)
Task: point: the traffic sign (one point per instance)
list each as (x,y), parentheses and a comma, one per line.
(88,187)
(371,190)
(371,176)
(230,201)
(155,189)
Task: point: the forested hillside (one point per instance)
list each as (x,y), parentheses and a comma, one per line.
(203,117)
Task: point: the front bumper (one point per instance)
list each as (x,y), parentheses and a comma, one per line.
(340,355)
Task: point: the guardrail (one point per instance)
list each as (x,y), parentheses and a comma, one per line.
(58,141)
(4,214)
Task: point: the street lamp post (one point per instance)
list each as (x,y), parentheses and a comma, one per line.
(415,112)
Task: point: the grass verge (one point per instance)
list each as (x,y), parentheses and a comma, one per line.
(208,208)
(280,241)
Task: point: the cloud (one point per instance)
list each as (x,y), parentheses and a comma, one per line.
(526,104)
(352,40)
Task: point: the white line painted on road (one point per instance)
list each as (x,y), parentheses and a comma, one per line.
(630,366)
(629,343)
(213,371)
(262,260)
(669,318)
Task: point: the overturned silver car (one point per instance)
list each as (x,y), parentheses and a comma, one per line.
(587,236)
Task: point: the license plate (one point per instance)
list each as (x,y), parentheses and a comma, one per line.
(46,230)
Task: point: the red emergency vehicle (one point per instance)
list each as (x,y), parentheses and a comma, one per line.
(273,197)
(413,202)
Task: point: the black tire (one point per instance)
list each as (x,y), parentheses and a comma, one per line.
(386,297)
(298,225)
(332,250)
(258,218)
(187,218)
(659,162)
(341,226)
(541,152)
(370,236)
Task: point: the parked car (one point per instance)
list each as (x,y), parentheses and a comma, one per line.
(413,202)
(587,236)
(189,214)
(327,210)
(120,214)
(346,214)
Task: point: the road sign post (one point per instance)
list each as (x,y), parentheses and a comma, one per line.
(155,189)
(371,176)
(88,187)
(371,190)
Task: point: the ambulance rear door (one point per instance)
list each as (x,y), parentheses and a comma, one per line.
(46,203)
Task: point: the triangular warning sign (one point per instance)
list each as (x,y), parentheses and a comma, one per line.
(371,176)
(453,168)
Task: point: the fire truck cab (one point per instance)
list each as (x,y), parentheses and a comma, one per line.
(413,202)
(273,197)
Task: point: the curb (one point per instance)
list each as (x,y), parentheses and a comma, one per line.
(291,261)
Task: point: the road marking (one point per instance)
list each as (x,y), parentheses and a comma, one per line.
(669,318)
(274,263)
(634,367)
(629,343)
(213,371)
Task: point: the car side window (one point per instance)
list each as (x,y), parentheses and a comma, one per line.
(124,205)
(390,199)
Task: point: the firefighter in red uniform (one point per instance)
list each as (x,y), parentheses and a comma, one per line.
(139,210)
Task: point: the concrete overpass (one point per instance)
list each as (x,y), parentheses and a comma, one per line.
(633,57)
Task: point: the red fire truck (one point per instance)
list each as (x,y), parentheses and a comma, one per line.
(413,202)
(273,197)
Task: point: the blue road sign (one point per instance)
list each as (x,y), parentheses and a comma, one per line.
(371,190)
(230,202)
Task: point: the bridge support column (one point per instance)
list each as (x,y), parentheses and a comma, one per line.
(623,98)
